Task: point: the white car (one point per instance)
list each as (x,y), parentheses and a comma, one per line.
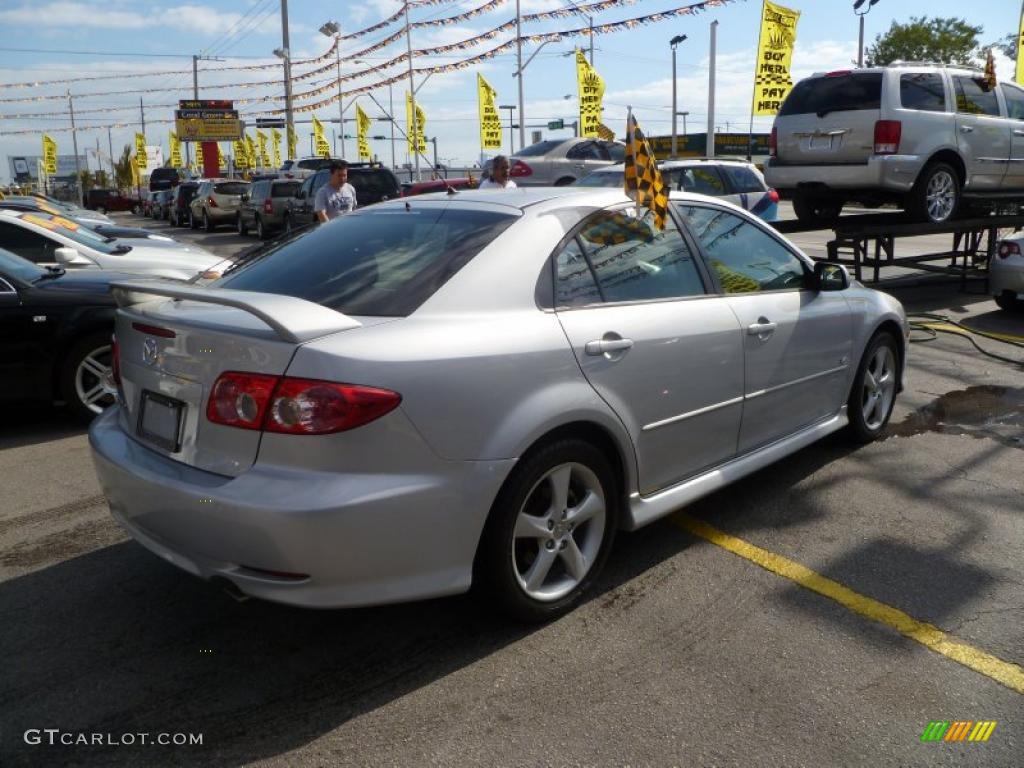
(45,239)
(1006,273)
(734,180)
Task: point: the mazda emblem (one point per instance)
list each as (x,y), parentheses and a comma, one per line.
(149,352)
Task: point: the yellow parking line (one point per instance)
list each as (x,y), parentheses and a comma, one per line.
(965,330)
(1003,672)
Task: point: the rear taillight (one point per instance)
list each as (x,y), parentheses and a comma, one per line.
(773,195)
(240,399)
(268,205)
(295,406)
(887,137)
(773,142)
(211,202)
(519,169)
(154,330)
(1007,249)
(115,362)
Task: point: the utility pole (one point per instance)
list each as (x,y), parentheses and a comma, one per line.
(414,131)
(519,69)
(110,146)
(142,115)
(341,109)
(675,41)
(74,143)
(391,117)
(709,148)
(286,50)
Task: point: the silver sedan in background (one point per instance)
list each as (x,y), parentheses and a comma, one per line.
(558,162)
(444,391)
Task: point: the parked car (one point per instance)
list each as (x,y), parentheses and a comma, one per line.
(263,206)
(56,241)
(436,185)
(104,200)
(373,183)
(1006,273)
(350,401)
(558,162)
(925,137)
(737,181)
(66,355)
(162,204)
(181,199)
(216,202)
(81,216)
(163,178)
(304,167)
(148,203)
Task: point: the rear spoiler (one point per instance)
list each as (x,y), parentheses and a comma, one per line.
(292,319)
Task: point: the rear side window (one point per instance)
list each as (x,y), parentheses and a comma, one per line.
(375,262)
(742,178)
(837,93)
(924,91)
(972,98)
(231,188)
(540,148)
(1014,101)
(285,189)
(588,150)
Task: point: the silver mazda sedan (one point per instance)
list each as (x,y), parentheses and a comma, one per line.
(477,389)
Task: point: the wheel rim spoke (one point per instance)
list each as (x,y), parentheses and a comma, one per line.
(559,480)
(575,562)
(94,394)
(530,527)
(869,407)
(540,569)
(586,509)
(95,367)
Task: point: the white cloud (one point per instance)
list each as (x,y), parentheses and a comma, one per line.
(68,14)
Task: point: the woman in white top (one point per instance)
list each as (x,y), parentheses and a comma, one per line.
(499,175)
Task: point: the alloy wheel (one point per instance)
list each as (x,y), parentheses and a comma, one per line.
(940,195)
(94,380)
(879,388)
(558,532)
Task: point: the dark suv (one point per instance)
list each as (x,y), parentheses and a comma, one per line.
(180,200)
(163,178)
(373,183)
(104,200)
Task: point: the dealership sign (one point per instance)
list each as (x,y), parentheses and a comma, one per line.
(207,120)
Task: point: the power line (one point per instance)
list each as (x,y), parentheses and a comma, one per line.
(113,53)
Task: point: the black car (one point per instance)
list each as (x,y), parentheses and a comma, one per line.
(180,201)
(372,182)
(163,178)
(55,330)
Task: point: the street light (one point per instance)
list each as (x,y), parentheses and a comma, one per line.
(511,135)
(675,41)
(683,115)
(860,40)
(286,56)
(331,29)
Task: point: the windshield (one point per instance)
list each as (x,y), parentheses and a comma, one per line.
(378,261)
(69,229)
(15,266)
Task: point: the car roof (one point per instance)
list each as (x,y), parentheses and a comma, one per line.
(680,162)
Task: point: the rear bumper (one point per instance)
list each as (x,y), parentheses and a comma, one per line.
(892,173)
(361,538)
(1004,277)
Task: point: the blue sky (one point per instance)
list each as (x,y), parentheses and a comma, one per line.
(636,64)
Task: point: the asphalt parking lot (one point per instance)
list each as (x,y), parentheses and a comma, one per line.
(821,612)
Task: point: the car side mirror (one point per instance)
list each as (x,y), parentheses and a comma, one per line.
(65,255)
(829,276)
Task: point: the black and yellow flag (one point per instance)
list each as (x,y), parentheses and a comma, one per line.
(643,183)
(1019,72)
(772,80)
(989,77)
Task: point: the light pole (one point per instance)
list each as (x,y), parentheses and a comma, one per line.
(285,55)
(331,29)
(519,75)
(675,41)
(511,125)
(860,38)
(683,115)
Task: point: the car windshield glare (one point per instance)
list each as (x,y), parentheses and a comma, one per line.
(377,262)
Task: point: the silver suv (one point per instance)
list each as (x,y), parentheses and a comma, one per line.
(923,136)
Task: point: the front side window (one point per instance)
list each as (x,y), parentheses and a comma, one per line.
(632,260)
(745,258)
(27,244)
(972,98)
(924,91)
(1014,101)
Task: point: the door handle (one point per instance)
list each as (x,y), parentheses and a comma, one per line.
(603,346)
(763,328)
(966,129)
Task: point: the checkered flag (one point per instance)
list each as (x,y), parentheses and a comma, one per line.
(643,182)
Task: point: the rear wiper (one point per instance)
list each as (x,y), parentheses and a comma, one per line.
(52,272)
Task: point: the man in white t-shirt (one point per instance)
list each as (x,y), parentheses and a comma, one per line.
(335,197)
(499,175)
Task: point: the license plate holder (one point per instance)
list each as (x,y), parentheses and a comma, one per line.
(160,420)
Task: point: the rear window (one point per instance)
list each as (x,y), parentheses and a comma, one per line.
(285,189)
(376,262)
(924,91)
(602,179)
(702,179)
(742,178)
(540,148)
(313,164)
(838,93)
(231,188)
(374,184)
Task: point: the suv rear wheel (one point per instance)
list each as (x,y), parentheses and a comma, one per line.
(936,194)
(812,211)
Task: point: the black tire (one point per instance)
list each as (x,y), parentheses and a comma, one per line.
(261,231)
(242,229)
(101,210)
(917,201)
(1009,303)
(812,211)
(495,574)
(861,429)
(93,344)
(564,181)
(208,225)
